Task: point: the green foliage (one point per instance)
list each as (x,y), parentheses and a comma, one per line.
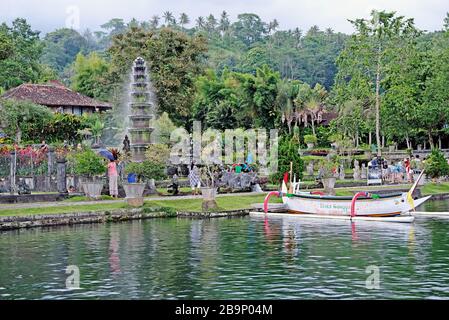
(88,163)
(6,45)
(146,170)
(381,79)
(20,50)
(163,128)
(176,59)
(65,126)
(61,48)
(310,138)
(24,120)
(436,165)
(288,152)
(90,76)
(158,153)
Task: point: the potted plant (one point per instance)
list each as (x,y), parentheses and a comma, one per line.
(327,173)
(209,191)
(138,175)
(310,140)
(91,169)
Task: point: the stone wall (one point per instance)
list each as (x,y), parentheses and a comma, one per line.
(32,221)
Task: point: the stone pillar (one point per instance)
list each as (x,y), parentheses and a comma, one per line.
(61,176)
(50,167)
(12,172)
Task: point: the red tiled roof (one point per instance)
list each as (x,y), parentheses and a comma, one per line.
(52,94)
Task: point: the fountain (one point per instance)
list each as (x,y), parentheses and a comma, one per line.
(141,111)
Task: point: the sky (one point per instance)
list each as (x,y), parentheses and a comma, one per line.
(47,15)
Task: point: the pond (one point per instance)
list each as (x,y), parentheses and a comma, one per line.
(238,258)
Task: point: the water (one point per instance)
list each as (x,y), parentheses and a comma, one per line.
(240,258)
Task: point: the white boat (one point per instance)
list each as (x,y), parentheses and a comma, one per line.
(362,204)
(371,206)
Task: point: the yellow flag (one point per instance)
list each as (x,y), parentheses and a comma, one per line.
(410,200)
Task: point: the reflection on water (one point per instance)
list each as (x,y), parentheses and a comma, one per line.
(240,258)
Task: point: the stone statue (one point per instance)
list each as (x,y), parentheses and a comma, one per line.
(356,174)
(342,172)
(363,173)
(126,145)
(309,169)
(23,188)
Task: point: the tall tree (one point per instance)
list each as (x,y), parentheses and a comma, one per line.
(90,76)
(61,48)
(183,20)
(21,51)
(224,23)
(200,22)
(211,23)
(363,63)
(154,21)
(168,18)
(249,28)
(272,26)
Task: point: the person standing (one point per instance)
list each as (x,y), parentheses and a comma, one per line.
(194,179)
(408,170)
(113,179)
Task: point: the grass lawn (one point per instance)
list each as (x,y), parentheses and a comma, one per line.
(435,188)
(224,203)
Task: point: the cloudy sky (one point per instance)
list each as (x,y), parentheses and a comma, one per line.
(46,15)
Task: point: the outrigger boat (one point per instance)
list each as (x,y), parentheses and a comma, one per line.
(362,204)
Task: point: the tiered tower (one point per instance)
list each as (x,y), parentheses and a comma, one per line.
(141,110)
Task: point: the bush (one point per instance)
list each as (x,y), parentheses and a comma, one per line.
(24,120)
(158,153)
(329,167)
(436,165)
(310,138)
(88,163)
(146,170)
(288,152)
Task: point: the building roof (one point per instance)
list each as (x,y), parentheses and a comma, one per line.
(53,94)
(327,117)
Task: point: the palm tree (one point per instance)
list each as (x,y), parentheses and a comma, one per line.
(310,105)
(168,17)
(272,26)
(286,92)
(211,23)
(97,128)
(224,22)
(297,34)
(351,115)
(154,22)
(200,23)
(329,31)
(183,19)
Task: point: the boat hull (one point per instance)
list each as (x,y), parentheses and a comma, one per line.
(385,206)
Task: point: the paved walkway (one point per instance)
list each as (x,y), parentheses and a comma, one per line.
(80,203)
